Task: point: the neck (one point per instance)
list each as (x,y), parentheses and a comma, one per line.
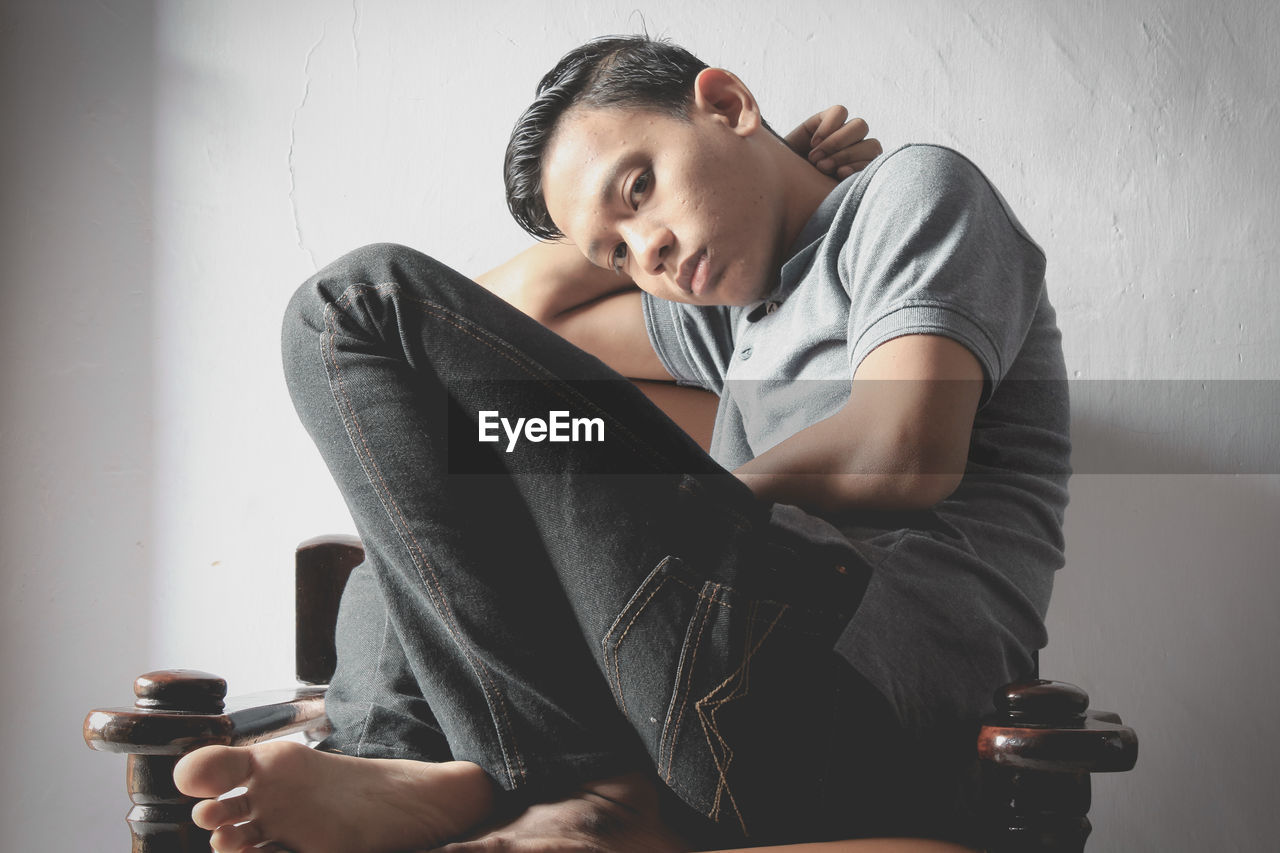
(804,188)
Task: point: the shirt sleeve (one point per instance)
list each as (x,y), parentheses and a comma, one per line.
(693,342)
(934,249)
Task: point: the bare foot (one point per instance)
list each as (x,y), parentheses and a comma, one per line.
(618,815)
(317,802)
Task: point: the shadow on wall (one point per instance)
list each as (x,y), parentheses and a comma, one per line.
(1176,426)
(76,403)
(1168,610)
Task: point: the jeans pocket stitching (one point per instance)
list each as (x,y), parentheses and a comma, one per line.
(683,683)
(706,709)
(736,686)
(629,615)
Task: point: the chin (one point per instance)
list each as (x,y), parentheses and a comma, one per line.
(729,291)
(746,295)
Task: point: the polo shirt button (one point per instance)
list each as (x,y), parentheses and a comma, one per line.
(745,354)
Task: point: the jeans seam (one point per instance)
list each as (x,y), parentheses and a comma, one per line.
(617,644)
(701,593)
(717,597)
(368,717)
(492,693)
(682,686)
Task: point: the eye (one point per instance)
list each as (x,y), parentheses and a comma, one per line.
(618,257)
(639,187)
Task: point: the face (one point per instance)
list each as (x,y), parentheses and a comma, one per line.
(687,210)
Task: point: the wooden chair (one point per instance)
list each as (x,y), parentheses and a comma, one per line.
(1036,752)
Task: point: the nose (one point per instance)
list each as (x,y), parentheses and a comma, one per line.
(649,244)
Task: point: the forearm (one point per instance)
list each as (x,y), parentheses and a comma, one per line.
(548,281)
(608,324)
(826,469)
(899,442)
(595,310)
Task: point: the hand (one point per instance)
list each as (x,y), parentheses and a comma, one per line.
(835,147)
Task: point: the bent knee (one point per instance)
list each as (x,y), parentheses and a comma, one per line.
(372,266)
(363,296)
(311,307)
(387,251)
(380,264)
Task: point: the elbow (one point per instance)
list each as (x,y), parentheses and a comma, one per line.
(920,480)
(896,491)
(926,469)
(926,490)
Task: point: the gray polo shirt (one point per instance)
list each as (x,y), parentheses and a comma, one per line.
(919,242)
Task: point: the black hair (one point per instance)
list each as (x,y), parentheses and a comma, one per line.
(613,72)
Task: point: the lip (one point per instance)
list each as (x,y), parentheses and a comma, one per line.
(685,280)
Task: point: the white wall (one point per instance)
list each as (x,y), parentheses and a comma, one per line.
(77,419)
(172,170)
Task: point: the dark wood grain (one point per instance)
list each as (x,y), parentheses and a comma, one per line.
(322,565)
(1037,752)
(252,718)
(1095,746)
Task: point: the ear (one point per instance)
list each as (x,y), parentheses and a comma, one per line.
(721,95)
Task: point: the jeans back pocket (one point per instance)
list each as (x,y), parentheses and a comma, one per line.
(731,695)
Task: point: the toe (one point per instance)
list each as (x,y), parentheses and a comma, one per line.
(212,770)
(211,814)
(236,839)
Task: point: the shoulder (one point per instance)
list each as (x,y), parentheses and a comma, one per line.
(924,183)
(926,169)
(932,248)
(926,158)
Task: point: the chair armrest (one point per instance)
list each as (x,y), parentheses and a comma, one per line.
(1036,754)
(176,712)
(166,728)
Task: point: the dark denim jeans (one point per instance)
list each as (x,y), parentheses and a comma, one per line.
(568,611)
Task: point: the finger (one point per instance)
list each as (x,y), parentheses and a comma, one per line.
(845,171)
(867,149)
(816,128)
(212,770)
(863,152)
(829,122)
(853,132)
(211,814)
(234,839)
(800,139)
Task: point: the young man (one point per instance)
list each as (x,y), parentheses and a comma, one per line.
(625,643)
